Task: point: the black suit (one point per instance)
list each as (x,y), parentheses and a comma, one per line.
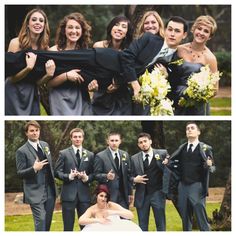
(75,193)
(39,187)
(139,54)
(191,191)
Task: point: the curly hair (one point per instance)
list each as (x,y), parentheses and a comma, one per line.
(140,30)
(85,39)
(24,34)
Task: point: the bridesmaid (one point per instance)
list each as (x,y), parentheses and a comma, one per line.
(21,93)
(195,55)
(150,22)
(117,99)
(67,92)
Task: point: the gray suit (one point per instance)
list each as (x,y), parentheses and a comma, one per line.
(150,195)
(192,196)
(39,191)
(75,193)
(120,188)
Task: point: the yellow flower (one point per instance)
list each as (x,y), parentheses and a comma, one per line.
(157,156)
(123,158)
(204,147)
(84,153)
(46,150)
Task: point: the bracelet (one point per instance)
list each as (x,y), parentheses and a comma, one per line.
(66,76)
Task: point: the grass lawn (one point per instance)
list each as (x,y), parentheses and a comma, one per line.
(173,222)
(220,106)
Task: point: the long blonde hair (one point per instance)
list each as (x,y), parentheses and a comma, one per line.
(24,34)
(140,30)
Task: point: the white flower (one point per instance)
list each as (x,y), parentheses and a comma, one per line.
(201,87)
(154,88)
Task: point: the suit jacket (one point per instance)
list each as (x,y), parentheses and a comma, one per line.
(66,162)
(205,152)
(104,162)
(33,182)
(139,54)
(137,168)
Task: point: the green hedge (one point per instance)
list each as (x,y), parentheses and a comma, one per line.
(224,66)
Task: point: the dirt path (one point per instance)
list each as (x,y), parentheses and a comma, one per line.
(12,208)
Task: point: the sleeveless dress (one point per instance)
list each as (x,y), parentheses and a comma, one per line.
(178,81)
(68,99)
(115,224)
(21,98)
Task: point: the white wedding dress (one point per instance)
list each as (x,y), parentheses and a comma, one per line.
(115,224)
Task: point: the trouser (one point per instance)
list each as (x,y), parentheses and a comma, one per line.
(191,200)
(43,211)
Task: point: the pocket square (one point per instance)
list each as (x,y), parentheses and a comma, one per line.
(86,159)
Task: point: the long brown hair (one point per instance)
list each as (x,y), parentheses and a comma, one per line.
(85,39)
(24,34)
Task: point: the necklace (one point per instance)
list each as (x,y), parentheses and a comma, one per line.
(196,54)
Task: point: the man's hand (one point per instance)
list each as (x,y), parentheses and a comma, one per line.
(141,179)
(93,86)
(209,162)
(110,175)
(73,174)
(83,176)
(38,165)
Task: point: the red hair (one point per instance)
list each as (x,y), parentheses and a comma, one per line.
(103,188)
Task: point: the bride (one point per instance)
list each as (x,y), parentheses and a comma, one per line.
(106,215)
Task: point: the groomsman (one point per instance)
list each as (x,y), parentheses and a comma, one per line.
(147,168)
(75,168)
(193,161)
(112,167)
(34,166)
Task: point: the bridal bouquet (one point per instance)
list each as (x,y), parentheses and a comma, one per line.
(154,88)
(201,87)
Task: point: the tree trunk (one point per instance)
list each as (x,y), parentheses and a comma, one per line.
(155,129)
(222,218)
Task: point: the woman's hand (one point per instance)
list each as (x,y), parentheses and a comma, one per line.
(30,59)
(74,76)
(50,68)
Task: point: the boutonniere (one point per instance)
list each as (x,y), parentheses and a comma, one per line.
(157,157)
(123,157)
(204,147)
(46,150)
(84,153)
(177,62)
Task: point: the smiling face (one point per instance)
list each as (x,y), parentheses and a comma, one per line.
(119,30)
(102,198)
(151,25)
(36,23)
(73,31)
(202,33)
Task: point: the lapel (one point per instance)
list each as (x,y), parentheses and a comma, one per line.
(110,158)
(72,154)
(140,162)
(157,160)
(32,150)
(176,153)
(202,152)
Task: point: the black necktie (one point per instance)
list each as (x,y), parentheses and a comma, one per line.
(190,148)
(40,153)
(78,157)
(117,161)
(146,163)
